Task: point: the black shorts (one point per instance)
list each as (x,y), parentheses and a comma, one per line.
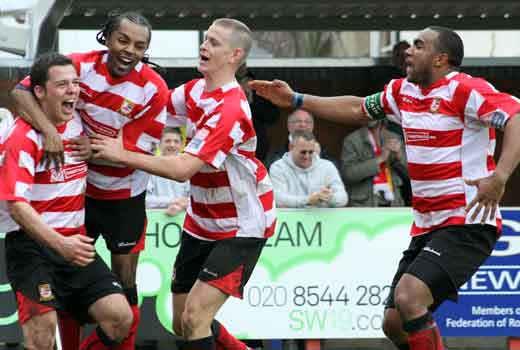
(40,274)
(446,258)
(121,222)
(225,264)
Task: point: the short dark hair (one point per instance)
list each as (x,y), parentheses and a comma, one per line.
(114,22)
(304,134)
(40,69)
(170,130)
(449,42)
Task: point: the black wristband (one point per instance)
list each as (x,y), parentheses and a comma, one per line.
(297,100)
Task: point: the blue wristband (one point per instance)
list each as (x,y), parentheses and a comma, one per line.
(297,100)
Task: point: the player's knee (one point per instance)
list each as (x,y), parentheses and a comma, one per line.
(192,318)
(410,296)
(118,324)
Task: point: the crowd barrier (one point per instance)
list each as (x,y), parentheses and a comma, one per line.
(324,274)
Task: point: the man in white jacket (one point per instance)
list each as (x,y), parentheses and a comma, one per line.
(302,179)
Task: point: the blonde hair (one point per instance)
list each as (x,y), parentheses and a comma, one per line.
(240,34)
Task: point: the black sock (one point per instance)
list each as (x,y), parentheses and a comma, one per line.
(199,344)
(403,346)
(419,323)
(131,295)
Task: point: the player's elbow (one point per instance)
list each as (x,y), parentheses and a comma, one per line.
(14,209)
(183,175)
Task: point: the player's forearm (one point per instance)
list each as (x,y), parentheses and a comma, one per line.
(32,223)
(510,156)
(340,109)
(170,167)
(31,111)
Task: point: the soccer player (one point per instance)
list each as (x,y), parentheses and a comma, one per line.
(51,263)
(120,96)
(231,208)
(449,120)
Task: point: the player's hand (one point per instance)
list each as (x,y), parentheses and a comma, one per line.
(276,91)
(173,209)
(81,146)
(107,148)
(53,156)
(77,249)
(489,192)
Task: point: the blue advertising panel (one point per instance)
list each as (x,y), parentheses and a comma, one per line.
(489,303)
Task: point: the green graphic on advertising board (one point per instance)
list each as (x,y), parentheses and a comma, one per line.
(302,237)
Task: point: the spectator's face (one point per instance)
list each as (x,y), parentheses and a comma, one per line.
(302,152)
(59,95)
(300,120)
(126,47)
(170,144)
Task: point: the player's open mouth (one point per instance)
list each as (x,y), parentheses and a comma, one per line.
(124,62)
(68,105)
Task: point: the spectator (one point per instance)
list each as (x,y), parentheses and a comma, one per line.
(297,120)
(373,165)
(300,179)
(399,57)
(162,192)
(264,113)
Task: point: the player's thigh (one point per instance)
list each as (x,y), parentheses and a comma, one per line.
(121,222)
(451,257)
(191,256)
(92,284)
(231,263)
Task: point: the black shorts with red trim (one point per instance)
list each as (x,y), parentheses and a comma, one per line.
(121,222)
(445,258)
(44,281)
(225,264)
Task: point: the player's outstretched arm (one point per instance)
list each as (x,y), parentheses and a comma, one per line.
(340,109)
(180,168)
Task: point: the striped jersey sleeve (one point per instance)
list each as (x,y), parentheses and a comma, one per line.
(480,101)
(225,129)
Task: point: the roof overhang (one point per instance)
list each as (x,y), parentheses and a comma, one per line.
(304,14)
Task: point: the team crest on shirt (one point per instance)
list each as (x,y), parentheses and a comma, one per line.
(126,107)
(57,175)
(436,104)
(45,292)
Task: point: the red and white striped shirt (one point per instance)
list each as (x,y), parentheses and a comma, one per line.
(231,195)
(450,136)
(133,104)
(57,195)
